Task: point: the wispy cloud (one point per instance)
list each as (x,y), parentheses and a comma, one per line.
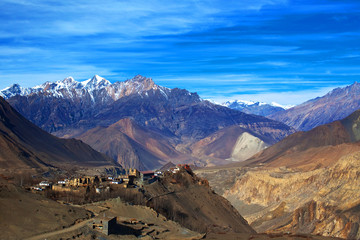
(136,17)
(273,63)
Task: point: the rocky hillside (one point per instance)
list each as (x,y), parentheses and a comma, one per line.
(322,201)
(335,105)
(187,199)
(26,146)
(306,183)
(164,123)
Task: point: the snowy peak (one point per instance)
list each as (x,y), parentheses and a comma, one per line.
(13,90)
(141,83)
(139,78)
(245,103)
(96,82)
(67,83)
(257,108)
(239,103)
(286,107)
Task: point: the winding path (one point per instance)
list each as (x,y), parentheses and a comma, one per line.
(61,231)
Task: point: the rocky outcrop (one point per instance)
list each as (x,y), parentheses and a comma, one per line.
(323,219)
(322,201)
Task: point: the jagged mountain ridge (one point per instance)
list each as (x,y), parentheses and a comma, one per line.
(26,146)
(333,106)
(70,109)
(97,88)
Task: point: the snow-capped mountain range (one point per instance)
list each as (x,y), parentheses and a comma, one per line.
(245,103)
(156,123)
(97,88)
(258,108)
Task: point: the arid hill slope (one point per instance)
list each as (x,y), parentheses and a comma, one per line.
(26,146)
(24,214)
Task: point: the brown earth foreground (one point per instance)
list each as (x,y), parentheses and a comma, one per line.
(25,215)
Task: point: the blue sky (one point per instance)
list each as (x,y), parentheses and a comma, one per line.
(286,51)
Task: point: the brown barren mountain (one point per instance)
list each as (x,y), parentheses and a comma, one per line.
(304,149)
(132,145)
(25,146)
(306,183)
(232,143)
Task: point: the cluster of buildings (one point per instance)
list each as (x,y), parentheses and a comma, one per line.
(131,178)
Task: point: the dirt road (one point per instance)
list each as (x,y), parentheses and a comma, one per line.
(62,231)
